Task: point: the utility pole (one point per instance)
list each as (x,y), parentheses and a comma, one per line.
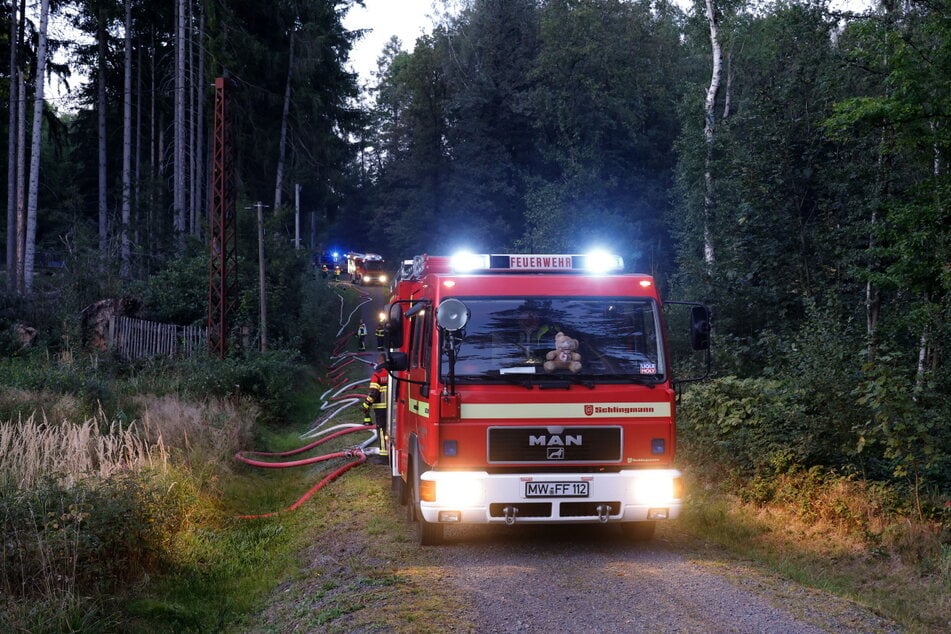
(262,294)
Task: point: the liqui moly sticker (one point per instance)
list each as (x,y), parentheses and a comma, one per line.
(648,368)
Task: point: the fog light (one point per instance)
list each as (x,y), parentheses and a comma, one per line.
(657,514)
(450,516)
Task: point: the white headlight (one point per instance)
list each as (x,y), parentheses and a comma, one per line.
(459,492)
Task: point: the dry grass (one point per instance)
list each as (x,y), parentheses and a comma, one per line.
(32,451)
(198,432)
(838,534)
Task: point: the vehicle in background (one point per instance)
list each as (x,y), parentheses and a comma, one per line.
(367,268)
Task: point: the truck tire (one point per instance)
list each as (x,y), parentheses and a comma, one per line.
(430,533)
(639,531)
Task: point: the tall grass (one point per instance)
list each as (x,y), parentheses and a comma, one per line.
(33,451)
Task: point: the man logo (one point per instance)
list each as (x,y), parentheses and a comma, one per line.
(556,453)
(588,410)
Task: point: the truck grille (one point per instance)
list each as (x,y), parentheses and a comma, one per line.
(554,446)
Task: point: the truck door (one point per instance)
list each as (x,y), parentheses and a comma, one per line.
(419,387)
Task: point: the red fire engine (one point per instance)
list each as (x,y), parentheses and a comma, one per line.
(490,422)
(366,268)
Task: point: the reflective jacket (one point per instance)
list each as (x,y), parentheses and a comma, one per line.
(376,398)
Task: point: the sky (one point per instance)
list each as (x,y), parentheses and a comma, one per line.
(408,19)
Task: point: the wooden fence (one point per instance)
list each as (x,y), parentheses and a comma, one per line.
(137,339)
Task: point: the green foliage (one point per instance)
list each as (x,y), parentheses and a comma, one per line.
(92,538)
(178,294)
(85,379)
(752,425)
(270,379)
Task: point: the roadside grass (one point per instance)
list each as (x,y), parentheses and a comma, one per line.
(352,576)
(833,535)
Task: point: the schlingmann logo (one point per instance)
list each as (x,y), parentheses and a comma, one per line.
(591,410)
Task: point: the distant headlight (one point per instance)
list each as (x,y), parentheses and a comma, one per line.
(382,279)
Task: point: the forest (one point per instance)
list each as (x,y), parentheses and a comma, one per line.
(785,162)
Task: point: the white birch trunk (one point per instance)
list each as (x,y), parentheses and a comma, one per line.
(29,250)
(709,134)
(126,256)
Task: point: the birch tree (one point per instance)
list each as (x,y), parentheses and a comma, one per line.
(29,251)
(709,135)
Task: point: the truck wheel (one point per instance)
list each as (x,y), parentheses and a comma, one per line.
(399,488)
(409,491)
(430,534)
(639,531)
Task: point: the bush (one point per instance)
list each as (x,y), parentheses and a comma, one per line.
(752,426)
(90,538)
(270,379)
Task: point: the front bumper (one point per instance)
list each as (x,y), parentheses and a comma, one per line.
(477,497)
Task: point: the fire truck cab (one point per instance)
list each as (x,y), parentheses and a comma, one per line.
(366,268)
(489,422)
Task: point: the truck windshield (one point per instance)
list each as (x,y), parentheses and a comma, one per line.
(374,265)
(608,338)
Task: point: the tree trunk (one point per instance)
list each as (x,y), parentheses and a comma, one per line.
(178,167)
(709,133)
(21,188)
(192,126)
(14,105)
(29,250)
(101,36)
(126,265)
(199,149)
(279,181)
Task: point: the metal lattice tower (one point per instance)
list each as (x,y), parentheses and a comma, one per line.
(223,273)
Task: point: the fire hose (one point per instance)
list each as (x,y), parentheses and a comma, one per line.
(341,400)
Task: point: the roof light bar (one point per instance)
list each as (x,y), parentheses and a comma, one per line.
(597,262)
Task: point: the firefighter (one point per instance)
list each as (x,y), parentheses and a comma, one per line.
(376,400)
(380,335)
(362,336)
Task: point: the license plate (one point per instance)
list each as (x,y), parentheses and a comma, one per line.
(556,489)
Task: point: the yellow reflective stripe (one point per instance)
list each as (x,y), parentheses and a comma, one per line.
(564,410)
(419,407)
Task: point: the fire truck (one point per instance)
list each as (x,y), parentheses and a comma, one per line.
(366,268)
(491,422)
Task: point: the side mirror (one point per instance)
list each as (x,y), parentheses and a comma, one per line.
(452,314)
(397,362)
(394,326)
(700,328)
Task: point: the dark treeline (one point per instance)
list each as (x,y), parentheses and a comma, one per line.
(785,163)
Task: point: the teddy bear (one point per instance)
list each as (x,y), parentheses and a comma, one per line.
(563,357)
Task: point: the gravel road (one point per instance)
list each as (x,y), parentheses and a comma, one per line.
(592,579)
